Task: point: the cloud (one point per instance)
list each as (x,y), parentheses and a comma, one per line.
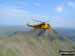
(18,17)
(23,3)
(1,6)
(12,12)
(59,9)
(18,11)
(37,4)
(72,4)
(59,21)
(29,4)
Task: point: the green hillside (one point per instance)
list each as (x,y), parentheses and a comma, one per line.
(34,43)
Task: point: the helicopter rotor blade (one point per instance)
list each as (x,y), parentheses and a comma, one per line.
(36,20)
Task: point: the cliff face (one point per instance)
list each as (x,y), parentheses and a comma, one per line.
(34,43)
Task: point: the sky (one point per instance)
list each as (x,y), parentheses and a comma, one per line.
(60,13)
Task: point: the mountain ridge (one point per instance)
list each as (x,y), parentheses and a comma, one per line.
(28,43)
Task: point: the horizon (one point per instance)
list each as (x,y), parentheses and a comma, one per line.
(20,12)
(31,27)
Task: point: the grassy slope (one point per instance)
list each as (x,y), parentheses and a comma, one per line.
(28,43)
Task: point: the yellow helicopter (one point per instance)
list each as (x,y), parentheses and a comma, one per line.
(42,25)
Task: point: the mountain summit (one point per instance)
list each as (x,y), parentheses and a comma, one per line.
(36,42)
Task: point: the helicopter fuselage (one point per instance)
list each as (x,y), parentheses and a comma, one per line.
(43,25)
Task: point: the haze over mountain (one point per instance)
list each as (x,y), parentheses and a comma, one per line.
(7,29)
(36,42)
(67,32)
